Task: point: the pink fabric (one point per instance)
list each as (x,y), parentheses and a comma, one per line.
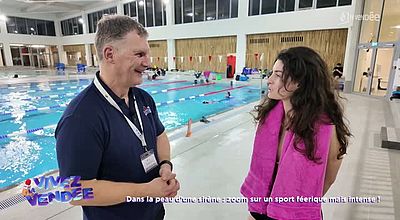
(207,74)
(296,176)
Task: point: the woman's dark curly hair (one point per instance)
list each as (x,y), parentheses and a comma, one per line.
(314,98)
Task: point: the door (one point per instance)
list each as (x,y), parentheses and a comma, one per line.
(363,71)
(374,69)
(382,70)
(35,59)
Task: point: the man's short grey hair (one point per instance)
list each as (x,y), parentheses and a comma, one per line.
(112,28)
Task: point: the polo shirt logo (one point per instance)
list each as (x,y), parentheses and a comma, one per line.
(146,110)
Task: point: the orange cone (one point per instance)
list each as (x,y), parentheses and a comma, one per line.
(189,129)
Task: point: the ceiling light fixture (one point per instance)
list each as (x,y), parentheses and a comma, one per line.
(38,46)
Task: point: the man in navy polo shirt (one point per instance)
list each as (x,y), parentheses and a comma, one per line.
(110,134)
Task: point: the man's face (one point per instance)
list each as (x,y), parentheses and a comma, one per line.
(132,58)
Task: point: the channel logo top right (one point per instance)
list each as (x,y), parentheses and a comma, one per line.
(347,18)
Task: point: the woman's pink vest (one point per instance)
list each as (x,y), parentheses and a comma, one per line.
(296,176)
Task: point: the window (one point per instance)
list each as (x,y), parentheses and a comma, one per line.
(178,12)
(164,14)
(268,7)
(326,3)
(254,8)
(286,5)
(126,10)
(80,27)
(141,13)
(305,3)
(223,9)
(71,26)
(2,55)
(149,13)
(96,16)
(187,11)
(132,8)
(41,27)
(16,56)
(11,25)
(90,21)
(31,25)
(16,25)
(50,28)
(344,2)
(211,10)
(112,11)
(234,8)
(21,25)
(158,13)
(94,19)
(198,10)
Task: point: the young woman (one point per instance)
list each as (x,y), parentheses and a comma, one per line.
(300,140)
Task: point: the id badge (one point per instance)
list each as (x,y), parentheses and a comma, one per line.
(148,160)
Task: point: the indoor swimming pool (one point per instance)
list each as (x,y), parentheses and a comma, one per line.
(29,114)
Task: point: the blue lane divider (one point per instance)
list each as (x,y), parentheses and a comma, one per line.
(63,82)
(30,86)
(47,89)
(70,94)
(4,136)
(5,90)
(34,110)
(25,132)
(197,96)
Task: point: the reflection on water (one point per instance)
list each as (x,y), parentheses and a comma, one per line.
(18,157)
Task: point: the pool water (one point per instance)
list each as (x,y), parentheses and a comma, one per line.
(23,108)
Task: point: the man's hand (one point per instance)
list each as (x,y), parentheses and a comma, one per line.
(160,188)
(167,175)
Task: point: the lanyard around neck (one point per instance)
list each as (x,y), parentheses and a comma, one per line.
(115,105)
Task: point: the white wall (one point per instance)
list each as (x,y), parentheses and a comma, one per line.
(328,18)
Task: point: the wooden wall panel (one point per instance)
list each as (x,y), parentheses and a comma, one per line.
(158,52)
(93,49)
(157,49)
(330,44)
(204,47)
(74,49)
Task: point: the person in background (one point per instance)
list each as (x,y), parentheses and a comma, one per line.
(300,141)
(338,71)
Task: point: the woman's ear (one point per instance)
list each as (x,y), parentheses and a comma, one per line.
(293,86)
